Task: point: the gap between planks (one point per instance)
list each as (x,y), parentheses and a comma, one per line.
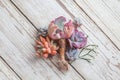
(62,5)
(29,21)
(10,67)
(73,15)
(38,30)
(24,15)
(103,15)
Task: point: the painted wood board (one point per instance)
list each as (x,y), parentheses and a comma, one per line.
(40,12)
(105,13)
(6,73)
(72,7)
(17,47)
(105,64)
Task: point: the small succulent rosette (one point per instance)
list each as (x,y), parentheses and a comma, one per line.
(59,28)
(77,41)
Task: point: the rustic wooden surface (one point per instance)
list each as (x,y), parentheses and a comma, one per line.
(20,20)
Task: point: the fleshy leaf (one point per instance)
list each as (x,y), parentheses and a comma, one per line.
(77,40)
(60,22)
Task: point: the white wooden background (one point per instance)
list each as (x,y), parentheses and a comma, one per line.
(20,20)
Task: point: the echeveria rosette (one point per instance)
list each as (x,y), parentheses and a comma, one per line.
(72,54)
(76,42)
(59,28)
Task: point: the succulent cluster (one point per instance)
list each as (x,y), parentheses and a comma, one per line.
(61,37)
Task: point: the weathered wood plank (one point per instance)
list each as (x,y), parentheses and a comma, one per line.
(6,73)
(105,14)
(40,12)
(104,67)
(16,47)
(106,48)
(114,7)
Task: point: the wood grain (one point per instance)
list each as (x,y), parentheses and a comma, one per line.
(5,72)
(105,13)
(39,12)
(106,64)
(17,47)
(106,48)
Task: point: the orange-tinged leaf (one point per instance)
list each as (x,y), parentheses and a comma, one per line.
(45,55)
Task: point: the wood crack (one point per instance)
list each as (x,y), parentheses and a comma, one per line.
(10,68)
(97,25)
(78,72)
(72,16)
(38,30)
(24,15)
